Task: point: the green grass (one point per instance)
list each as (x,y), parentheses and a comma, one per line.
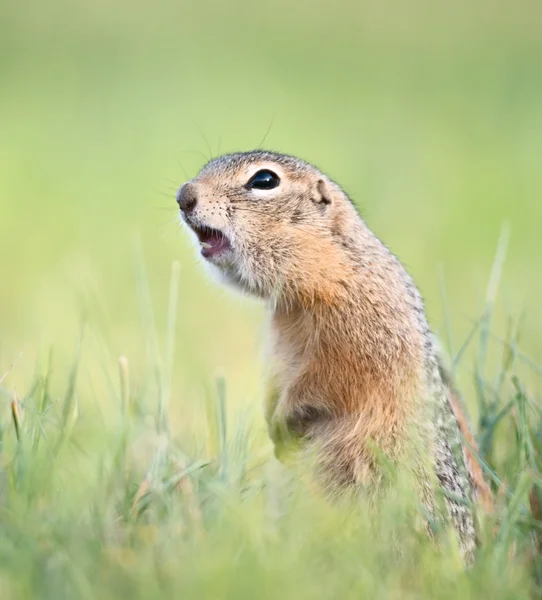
(109,503)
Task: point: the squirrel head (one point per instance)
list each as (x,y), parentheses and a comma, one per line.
(268,223)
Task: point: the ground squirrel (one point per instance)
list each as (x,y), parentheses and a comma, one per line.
(354,362)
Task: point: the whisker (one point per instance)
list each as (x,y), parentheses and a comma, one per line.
(259,146)
(183,169)
(204,139)
(172,181)
(167,226)
(193,151)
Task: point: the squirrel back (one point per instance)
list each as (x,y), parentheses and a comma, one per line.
(354,363)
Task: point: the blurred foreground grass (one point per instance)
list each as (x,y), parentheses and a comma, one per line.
(110,503)
(430,116)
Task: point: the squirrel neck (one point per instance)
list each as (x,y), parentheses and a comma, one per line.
(368,321)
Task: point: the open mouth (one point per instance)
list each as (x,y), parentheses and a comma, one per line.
(212,241)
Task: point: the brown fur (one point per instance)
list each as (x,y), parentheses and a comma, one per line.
(353,362)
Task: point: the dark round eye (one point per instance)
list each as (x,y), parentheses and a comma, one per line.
(263,180)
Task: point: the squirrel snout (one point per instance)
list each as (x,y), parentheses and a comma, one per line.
(187,198)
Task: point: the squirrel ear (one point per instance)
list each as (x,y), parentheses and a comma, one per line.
(323,193)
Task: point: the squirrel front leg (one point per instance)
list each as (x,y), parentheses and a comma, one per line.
(284,440)
(311,432)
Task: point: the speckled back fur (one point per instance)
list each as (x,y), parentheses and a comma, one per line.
(352,360)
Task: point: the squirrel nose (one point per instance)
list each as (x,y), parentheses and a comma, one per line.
(187,198)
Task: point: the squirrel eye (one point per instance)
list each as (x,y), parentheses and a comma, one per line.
(263,180)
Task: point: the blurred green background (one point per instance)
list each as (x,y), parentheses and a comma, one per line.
(428,113)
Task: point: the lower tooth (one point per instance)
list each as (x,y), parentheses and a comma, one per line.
(206,245)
